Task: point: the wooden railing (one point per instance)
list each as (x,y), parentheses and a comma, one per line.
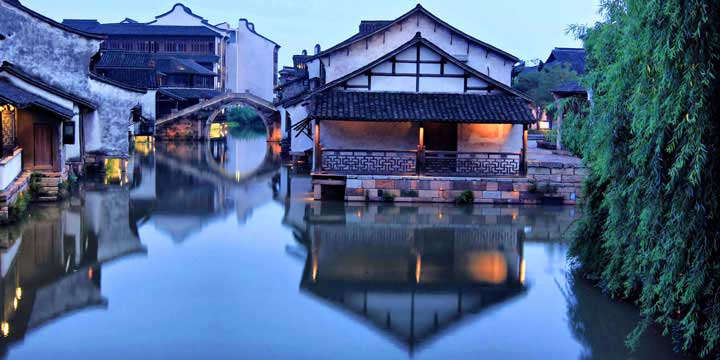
(421,162)
(369,162)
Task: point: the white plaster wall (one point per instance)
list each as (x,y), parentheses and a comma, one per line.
(178,16)
(490,137)
(62,59)
(349,59)
(255,64)
(72,151)
(369,135)
(299,143)
(92,131)
(10,170)
(231,59)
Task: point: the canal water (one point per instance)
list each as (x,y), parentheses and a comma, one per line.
(217,251)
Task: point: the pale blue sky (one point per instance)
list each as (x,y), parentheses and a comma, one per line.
(528,29)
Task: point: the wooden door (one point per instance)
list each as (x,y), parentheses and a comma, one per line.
(43,147)
(441,136)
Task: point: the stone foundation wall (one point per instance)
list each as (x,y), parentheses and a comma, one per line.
(10,196)
(47,185)
(556,183)
(183,129)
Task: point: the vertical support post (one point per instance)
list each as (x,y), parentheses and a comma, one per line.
(420,161)
(317,151)
(523,152)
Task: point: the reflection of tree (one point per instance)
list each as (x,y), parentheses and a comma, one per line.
(601,325)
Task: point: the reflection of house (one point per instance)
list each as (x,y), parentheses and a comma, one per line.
(54,268)
(185,57)
(411,272)
(55,112)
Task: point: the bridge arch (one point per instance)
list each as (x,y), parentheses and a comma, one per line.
(201,115)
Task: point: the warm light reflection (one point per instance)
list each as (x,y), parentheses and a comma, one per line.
(440,215)
(5,329)
(15,304)
(489,267)
(18,293)
(522,272)
(90,273)
(218,130)
(359,214)
(114,169)
(7,107)
(314,268)
(144,145)
(418,268)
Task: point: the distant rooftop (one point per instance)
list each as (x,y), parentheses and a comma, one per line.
(134,28)
(573,57)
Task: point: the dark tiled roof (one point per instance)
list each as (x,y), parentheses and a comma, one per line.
(572,87)
(395,106)
(139,78)
(186,93)
(368,26)
(54,23)
(125,59)
(19,73)
(199,58)
(20,98)
(572,57)
(172,65)
(92,26)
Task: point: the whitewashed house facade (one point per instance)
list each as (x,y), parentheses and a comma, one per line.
(409,98)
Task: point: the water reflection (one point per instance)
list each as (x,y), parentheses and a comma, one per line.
(413,272)
(252,267)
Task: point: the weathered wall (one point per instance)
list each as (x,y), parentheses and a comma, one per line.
(490,137)
(62,59)
(347,60)
(369,135)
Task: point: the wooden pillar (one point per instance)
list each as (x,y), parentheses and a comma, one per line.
(523,152)
(317,151)
(420,160)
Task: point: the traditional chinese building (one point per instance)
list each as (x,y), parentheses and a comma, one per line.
(185,57)
(56,113)
(411,99)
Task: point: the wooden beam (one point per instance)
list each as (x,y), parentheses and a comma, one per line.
(317,151)
(523,152)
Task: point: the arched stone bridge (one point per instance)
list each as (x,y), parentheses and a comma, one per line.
(193,123)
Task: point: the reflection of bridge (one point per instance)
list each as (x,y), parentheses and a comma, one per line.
(181,188)
(194,121)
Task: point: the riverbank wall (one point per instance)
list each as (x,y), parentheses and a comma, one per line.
(547,182)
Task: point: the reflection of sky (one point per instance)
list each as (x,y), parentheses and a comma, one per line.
(231,290)
(245,155)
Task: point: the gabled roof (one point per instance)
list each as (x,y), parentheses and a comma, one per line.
(421,107)
(418,39)
(22,99)
(570,88)
(117,83)
(54,23)
(188,93)
(377,26)
(573,57)
(192,14)
(18,73)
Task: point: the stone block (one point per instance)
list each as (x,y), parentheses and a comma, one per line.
(492,194)
(479,186)
(438,185)
(428,193)
(462,185)
(353,183)
(581,171)
(317,192)
(532,170)
(368,184)
(385,184)
(511,195)
(354,191)
(521,187)
(505,186)
(355,198)
(491,186)
(563,171)
(572,179)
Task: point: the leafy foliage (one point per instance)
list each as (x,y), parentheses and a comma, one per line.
(576,128)
(650,229)
(465,198)
(539,84)
(244,122)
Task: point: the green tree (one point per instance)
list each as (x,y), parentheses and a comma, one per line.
(244,122)
(650,230)
(539,84)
